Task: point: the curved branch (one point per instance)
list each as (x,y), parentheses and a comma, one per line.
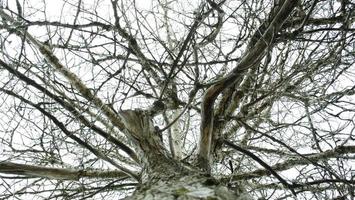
(250,59)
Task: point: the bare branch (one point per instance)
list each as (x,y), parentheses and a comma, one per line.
(56,173)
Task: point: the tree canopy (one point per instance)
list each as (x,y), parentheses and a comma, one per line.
(96,96)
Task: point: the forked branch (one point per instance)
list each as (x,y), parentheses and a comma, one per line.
(250,59)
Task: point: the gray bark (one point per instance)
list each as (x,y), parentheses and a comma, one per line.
(166,178)
(186,187)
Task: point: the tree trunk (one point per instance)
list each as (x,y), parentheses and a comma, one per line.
(164,177)
(187,187)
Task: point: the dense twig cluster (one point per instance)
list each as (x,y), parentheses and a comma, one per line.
(253,93)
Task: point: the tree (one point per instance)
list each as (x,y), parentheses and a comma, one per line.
(177,100)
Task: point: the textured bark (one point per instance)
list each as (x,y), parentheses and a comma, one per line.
(190,186)
(55,173)
(164,177)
